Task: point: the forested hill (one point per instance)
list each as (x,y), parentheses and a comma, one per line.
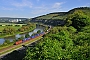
(86,10)
(52,16)
(68,42)
(62,15)
(60,18)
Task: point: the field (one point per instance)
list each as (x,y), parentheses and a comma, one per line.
(15,27)
(4,25)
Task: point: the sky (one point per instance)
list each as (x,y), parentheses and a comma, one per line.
(34,8)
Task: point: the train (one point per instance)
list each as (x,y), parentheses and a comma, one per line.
(32,37)
(29,38)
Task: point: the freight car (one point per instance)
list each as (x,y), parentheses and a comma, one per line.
(18,42)
(27,39)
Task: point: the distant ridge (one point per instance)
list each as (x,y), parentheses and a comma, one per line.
(59,18)
(62,15)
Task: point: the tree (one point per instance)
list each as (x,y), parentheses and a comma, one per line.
(79,19)
(8,30)
(52,47)
(22,37)
(27,35)
(61,44)
(38,31)
(6,42)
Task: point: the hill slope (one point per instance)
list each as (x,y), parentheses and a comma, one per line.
(62,15)
(59,18)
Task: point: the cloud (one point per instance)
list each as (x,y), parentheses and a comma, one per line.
(57,5)
(88,5)
(11,9)
(16,5)
(31,8)
(24,3)
(5,8)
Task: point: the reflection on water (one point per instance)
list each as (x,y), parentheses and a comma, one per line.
(20,35)
(1,40)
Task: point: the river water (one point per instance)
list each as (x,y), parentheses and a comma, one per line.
(20,35)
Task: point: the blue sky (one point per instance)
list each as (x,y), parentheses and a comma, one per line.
(33,8)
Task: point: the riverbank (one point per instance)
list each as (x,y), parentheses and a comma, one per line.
(16,47)
(5,36)
(9,35)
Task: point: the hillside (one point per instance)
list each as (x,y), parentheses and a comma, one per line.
(59,18)
(68,42)
(56,15)
(86,10)
(63,15)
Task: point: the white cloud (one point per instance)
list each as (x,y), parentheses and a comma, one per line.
(57,5)
(15,5)
(11,9)
(44,9)
(6,8)
(24,3)
(88,5)
(35,10)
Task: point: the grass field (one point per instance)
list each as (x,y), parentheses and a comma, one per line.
(12,24)
(6,23)
(15,27)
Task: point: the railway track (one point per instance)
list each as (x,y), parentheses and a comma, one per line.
(10,49)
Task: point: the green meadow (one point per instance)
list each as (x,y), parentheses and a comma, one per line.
(12,25)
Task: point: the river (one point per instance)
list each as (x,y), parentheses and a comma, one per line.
(20,35)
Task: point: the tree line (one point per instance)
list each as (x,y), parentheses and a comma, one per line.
(10,30)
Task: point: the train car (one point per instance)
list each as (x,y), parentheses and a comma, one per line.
(42,33)
(26,39)
(18,42)
(32,37)
(36,35)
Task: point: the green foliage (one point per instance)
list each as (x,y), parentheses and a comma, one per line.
(71,29)
(8,30)
(63,15)
(22,37)
(79,19)
(62,43)
(38,31)
(27,35)
(86,29)
(70,42)
(6,42)
(28,27)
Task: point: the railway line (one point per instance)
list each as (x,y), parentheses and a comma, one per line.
(17,46)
